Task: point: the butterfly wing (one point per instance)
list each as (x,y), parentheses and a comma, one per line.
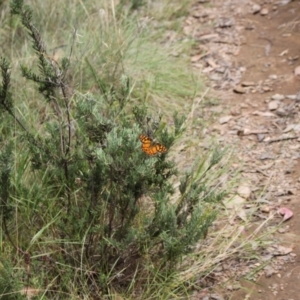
(146,142)
(160,148)
(151,148)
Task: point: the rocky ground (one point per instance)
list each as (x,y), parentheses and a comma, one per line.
(250,54)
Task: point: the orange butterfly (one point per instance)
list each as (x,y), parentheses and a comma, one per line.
(150,147)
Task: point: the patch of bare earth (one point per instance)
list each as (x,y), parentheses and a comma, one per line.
(250,52)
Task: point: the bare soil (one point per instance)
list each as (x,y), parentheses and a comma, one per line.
(250,53)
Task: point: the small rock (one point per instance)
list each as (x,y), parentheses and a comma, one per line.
(273,105)
(293,58)
(249,26)
(239,90)
(263,113)
(242,69)
(225,22)
(239,11)
(196,58)
(248,83)
(218,269)
(278,97)
(208,37)
(260,137)
(265,209)
(225,119)
(297,71)
(281,112)
(234,203)
(291,97)
(265,156)
(264,11)
(266,257)
(256,8)
(197,14)
(273,77)
(283,2)
(269,271)
(241,213)
(290,127)
(216,297)
(244,191)
(281,250)
(286,213)
(235,111)
(266,89)
(233,287)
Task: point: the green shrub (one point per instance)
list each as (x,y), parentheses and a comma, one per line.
(90,208)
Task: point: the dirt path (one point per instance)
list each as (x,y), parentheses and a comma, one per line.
(249,52)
